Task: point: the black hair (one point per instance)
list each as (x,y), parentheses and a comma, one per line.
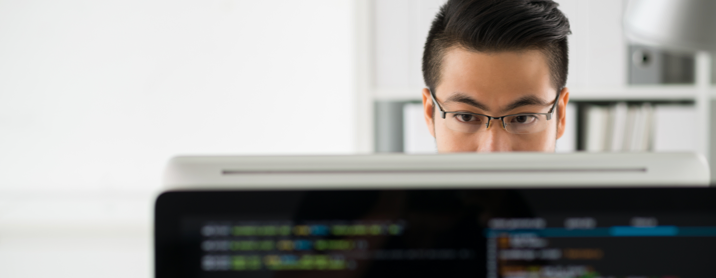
(496,26)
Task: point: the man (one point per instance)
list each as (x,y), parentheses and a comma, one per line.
(495,72)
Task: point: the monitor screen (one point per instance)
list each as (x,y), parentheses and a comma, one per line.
(437,233)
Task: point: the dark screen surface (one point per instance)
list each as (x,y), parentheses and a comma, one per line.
(437,233)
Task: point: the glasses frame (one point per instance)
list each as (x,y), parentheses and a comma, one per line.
(501,118)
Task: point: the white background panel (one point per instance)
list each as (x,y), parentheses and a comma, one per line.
(675,128)
(93,90)
(96,96)
(416,136)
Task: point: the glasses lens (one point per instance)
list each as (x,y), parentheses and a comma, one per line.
(526,123)
(466,123)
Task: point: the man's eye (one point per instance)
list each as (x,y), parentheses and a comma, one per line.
(466,118)
(524,119)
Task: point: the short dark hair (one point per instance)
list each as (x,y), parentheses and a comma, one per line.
(496,26)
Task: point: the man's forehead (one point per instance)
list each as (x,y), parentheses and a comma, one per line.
(496,81)
(496,71)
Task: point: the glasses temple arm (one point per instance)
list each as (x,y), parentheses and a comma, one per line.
(435,101)
(549,116)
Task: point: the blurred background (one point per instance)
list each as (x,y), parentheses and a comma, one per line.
(96,96)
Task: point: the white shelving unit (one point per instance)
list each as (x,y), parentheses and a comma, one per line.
(391,34)
(636,93)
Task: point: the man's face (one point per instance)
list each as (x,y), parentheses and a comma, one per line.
(494,84)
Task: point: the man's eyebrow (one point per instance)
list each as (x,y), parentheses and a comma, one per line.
(464,98)
(525,101)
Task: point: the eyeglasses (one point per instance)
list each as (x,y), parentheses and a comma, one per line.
(523,123)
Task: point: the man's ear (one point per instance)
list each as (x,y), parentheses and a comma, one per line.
(429,111)
(562,109)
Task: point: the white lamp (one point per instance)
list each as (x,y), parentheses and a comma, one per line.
(675,24)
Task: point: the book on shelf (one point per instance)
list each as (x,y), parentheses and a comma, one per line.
(639,127)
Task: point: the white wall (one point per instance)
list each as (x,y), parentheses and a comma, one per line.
(401,28)
(597,48)
(93,90)
(95,96)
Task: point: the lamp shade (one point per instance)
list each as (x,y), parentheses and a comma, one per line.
(688,25)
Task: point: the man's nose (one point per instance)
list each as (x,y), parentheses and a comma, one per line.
(494,139)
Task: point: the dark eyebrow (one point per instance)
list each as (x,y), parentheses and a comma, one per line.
(525,101)
(464,98)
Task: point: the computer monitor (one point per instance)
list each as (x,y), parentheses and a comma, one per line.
(437,171)
(456,232)
(460,215)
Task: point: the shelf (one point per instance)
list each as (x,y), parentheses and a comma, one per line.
(632,93)
(398,94)
(635,93)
